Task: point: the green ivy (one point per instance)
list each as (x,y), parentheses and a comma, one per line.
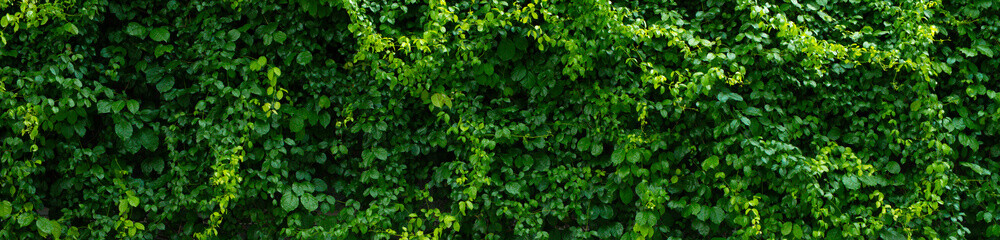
(485,119)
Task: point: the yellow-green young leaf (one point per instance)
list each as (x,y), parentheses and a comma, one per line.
(710,163)
(25,219)
(44,225)
(133,201)
(5,209)
(437,100)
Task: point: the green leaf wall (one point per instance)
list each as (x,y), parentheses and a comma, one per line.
(485,119)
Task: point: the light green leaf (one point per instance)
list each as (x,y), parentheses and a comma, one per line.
(44,225)
(710,163)
(25,219)
(133,201)
(437,100)
(5,209)
(72,29)
(985,49)
(786,228)
(289,202)
(309,202)
(159,34)
(976,168)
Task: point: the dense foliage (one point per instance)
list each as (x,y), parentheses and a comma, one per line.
(486,119)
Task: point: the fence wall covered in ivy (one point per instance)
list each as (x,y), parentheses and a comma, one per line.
(486,119)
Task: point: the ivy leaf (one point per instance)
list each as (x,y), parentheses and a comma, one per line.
(726,96)
(163,48)
(701,227)
(133,201)
(117,106)
(634,155)
(626,195)
(44,225)
(133,105)
(616,229)
(786,228)
(25,219)
(279,36)
(149,140)
(892,167)
(506,49)
(437,100)
(583,144)
(985,49)
(289,202)
(309,202)
(304,58)
(159,34)
(717,215)
(618,156)
(381,153)
(103,107)
(851,182)
(71,28)
(513,188)
(165,85)
(710,163)
(5,209)
(233,34)
(976,168)
(596,149)
(645,218)
(123,129)
(135,30)
(296,124)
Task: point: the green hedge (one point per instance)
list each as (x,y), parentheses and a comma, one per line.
(485,119)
